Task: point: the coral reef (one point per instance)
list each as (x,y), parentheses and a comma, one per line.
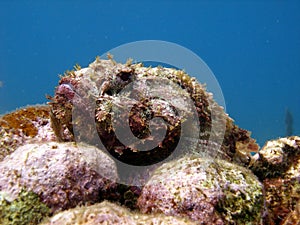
(25,209)
(24,125)
(109,213)
(63,175)
(98,93)
(206,191)
(54,159)
(277,165)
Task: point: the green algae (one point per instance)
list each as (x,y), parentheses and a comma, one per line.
(26,209)
(229,193)
(244,198)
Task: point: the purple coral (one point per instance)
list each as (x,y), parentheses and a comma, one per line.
(62,174)
(204,190)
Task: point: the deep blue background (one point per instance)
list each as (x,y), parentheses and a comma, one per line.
(253,48)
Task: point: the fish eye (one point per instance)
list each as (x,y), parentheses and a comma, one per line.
(125,76)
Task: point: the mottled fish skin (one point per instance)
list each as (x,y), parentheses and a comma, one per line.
(94,90)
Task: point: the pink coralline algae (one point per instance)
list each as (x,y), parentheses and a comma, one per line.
(63,175)
(109,213)
(206,191)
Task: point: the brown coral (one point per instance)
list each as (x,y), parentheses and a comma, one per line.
(277,164)
(27,124)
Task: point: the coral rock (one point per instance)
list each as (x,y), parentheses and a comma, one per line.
(109,213)
(205,190)
(63,175)
(25,125)
(277,165)
(277,157)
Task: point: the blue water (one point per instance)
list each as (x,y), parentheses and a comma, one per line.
(253,48)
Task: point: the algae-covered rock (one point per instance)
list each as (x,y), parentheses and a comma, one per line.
(109,213)
(90,103)
(277,165)
(277,157)
(28,124)
(205,190)
(63,175)
(24,210)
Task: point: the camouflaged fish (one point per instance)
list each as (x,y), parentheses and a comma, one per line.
(142,115)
